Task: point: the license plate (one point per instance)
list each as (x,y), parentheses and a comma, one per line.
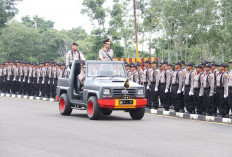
(125,102)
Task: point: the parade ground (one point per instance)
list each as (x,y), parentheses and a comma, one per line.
(34,128)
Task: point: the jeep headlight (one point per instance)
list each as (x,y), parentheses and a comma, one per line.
(140,92)
(106,91)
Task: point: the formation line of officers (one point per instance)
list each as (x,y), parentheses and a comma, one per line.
(205,89)
(31,79)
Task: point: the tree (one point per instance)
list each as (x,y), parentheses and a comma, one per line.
(7,11)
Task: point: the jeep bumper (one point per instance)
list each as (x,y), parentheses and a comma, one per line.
(114,103)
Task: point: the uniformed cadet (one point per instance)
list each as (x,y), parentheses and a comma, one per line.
(215,73)
(140,72)
(21,77)
(147,83)
(230,88)
(56,73)
(42,74)
(195,89)
(106,54)
(169,97)
(16,78)
(47,79)
(207,85)
(222,91)
(30,79)
(176,87)
(5,77)
(36,80)
(183,69)
(25,79)
(51,73)
(82,76)
(128,71)
(1,77)
(65,72)
(74,54)
(154,76)
(164,86)
(134,73)
(188,99)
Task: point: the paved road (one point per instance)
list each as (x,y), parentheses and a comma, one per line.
(30,128)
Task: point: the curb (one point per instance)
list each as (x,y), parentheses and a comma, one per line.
(27,97)
(190,116)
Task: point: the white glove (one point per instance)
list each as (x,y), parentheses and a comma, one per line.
(190,93)
(166,90)
(29,81)
(200,94)
(211,95)
(147,87)
(183,89)
(14,79)
(42,82)
(156,89)
(225,96)
(178,92)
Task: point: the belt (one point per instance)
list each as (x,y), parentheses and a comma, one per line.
(196,88)
(218,87)
(152,82)
(187,85)
(175,84)
(207,88)
(162,83)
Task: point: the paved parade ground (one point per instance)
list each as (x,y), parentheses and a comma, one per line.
(35,128)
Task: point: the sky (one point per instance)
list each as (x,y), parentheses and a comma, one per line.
(65,13)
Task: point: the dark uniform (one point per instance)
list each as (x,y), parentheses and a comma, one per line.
(230,88)
(222,92)
(164,86)
(176,87)
(1,77)
(147,84)
(188,99)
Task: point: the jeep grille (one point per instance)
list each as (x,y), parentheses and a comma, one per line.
(119,92)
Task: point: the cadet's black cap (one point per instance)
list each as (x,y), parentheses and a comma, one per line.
(182,62)
(160,65)
(221,65)
(107,41)
(63,64)
(170,65)
(178,63)
(199,66)
(35,64)
(164,62)
(214,64)
(190,64)
(208,66)
(204,63)
(133,65)
(147,61)
(41,63)
(138,64)
(53,62)
(226,65)
(230,62)
(154,62)
(75,44)
(127,65)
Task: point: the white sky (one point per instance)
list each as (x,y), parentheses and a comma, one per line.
(65,13)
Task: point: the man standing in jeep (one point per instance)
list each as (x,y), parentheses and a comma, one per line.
(74,54)
(106,54)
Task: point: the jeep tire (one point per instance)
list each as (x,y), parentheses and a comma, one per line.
(64,105)
(137,114)
(94,111)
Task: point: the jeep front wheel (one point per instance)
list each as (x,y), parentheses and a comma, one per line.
(138,113)
(64,105)
(93,109)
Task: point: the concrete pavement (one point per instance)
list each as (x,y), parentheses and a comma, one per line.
(35,128)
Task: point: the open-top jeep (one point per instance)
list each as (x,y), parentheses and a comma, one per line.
(105,88)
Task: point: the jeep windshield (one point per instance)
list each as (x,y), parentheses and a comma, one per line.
(101,69)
